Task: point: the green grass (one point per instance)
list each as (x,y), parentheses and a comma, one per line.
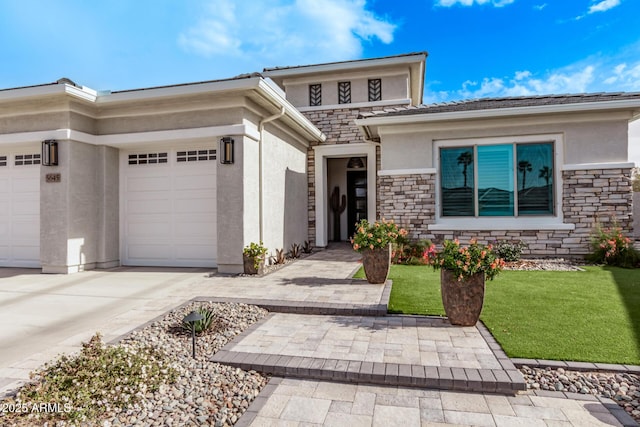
(591,316)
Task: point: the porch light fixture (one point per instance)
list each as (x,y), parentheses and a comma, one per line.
(191,319)
(226,150)
(49,152)
(355,163)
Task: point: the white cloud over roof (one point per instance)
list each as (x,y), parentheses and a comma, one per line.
(310,31)
(603,6)
(449,3)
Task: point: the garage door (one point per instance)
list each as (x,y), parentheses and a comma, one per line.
(169,208)
(20,208)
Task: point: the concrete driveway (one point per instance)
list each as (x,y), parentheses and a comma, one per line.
(44,315)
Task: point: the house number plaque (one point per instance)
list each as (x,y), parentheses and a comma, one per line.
(53,177)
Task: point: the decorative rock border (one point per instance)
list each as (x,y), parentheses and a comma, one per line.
(576,366)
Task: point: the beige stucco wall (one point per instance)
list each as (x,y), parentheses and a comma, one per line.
(234,187)
(169,120)
(588,138)
(285,190)
(79,214)
(394,87)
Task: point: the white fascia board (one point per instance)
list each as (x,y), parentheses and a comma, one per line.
(83,93)
(274,94)
(181,90)
(397,172)
(132,139)
(627,104)
(385,103)
(593,166)
(344,66)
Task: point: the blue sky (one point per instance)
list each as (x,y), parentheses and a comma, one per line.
(477,48)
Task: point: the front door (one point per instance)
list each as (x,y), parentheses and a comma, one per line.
(356,199)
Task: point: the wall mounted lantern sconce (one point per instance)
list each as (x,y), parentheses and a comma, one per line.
(50,152)
(191,319)
(355,163)
(226,150)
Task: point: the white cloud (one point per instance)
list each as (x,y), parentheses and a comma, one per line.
(591,75)
(449,3)
(275,32)
(540,6)
(624,77)
(603,6)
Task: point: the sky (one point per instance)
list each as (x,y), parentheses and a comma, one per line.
(477,48)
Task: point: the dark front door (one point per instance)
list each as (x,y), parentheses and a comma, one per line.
(356,199)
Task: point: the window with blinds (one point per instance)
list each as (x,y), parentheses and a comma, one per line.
(497,180)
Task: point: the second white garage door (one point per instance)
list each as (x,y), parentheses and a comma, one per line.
(20,208)
(169,208)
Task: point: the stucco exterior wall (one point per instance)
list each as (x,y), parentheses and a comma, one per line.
(394,87)
(169,121)
(236,204)
(587,138)
(284,190)
(77,214)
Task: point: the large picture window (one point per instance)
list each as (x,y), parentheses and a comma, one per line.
(497,180)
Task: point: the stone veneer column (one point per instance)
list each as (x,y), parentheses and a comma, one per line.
(410,201)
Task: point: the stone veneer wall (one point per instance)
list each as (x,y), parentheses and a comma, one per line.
(339,127)
(590,196)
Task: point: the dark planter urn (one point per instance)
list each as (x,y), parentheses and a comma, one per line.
(462,300)
(376,263)
(249,265)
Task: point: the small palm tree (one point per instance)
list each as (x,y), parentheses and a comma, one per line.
(545,173)
(524,166)
(465,159)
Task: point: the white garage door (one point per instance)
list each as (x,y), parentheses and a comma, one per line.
(20,208)
(169,208)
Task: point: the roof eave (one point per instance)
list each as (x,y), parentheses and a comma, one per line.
(18,94)
(627,104)
(346,66)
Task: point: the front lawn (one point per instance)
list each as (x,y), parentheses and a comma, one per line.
(589,316)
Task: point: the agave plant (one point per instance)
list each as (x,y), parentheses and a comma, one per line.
(200,325)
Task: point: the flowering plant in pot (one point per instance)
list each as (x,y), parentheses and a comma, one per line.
(373,241)
(254,257)
(463,273)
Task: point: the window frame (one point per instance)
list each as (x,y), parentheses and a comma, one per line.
(543,221)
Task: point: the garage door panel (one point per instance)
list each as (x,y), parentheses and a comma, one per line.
(186,205)
(25,230)
(153,184)
(170,214)
(194,182)
(19,214)
(26,207)
(144,206)
(149,251)
(25,185)
(195,252)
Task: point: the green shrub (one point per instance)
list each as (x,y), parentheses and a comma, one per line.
(509,251)
(610,246)
(93,382)
(200,325)
(256,252)
(409,252)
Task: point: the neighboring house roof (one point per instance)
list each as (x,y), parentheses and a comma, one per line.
(519,105)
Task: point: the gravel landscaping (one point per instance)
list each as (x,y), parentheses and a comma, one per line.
(551,264)
(623,388)
(203,394)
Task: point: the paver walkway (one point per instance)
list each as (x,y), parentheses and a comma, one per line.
(295,402)
(318,284)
